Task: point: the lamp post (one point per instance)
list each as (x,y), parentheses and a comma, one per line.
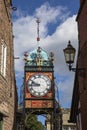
(69,53)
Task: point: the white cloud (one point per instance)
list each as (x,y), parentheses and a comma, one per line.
(50,14)
(25,31)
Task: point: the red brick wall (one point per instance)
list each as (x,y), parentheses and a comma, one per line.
(81,1)
(82,25)
(82,63)
(7,83)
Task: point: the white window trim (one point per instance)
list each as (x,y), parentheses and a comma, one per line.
(3,58)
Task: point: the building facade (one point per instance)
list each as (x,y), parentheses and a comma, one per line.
(79,99)
(65,120)
(8,93)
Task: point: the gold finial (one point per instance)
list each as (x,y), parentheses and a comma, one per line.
(25,56)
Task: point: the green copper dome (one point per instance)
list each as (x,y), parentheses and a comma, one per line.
(38,57)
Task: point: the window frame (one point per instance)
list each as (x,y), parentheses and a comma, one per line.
(73,128)
(3,57)
(65,127)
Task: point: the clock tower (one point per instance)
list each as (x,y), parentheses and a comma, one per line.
(39,91)
(39,82)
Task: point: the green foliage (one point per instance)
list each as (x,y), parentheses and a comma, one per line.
(32,123)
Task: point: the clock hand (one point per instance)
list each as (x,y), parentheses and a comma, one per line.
(35,84)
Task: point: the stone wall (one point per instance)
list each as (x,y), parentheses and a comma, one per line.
(65,119)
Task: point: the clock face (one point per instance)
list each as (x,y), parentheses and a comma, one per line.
(39,85)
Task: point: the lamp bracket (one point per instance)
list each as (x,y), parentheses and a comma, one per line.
(77,69)
(80,71)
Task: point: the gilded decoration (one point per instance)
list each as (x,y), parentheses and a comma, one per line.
(38,57)
(38,104)
(29,74)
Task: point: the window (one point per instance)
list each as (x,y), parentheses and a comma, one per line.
(73,128)
(3,59)
(65,128)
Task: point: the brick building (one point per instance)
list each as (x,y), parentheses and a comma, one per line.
(8,93)
(79,99)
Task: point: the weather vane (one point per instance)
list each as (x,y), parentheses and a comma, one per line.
(38,22)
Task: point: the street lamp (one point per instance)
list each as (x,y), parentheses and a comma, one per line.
(69,53)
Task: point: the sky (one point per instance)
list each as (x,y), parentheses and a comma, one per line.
(58,25)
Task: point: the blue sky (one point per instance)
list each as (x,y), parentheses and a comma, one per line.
(57,27)
(30,6)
